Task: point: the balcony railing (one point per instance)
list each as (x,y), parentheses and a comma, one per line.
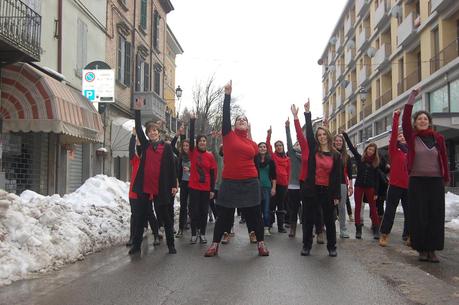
(361,6)
(363,75)
(363,38)
(20,29)
(381,14)
(384,99)
(366,111)
(331,57)
(347,26)
(351,122)
(409,81)
(339,100)
(338,70)
(349,55)
(382,55)
(436,5)
(350,88)
(445,56)
(155,106)
(407,28)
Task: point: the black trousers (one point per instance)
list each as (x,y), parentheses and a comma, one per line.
(199,208)
(151,219)
(184,191)
(225,220)
(293,204)
(321,200)
(348,206)
(163,211)
(394,195)
(426,210)
(131,225)
(278,201)
(380,204)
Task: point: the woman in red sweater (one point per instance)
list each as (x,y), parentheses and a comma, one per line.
(282,163)
(240,187)
(398,182)
(320,180)
(202,184)
(428,171)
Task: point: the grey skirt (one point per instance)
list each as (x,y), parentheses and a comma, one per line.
(239,193)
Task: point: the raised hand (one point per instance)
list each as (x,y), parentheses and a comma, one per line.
(397,112)
(287,123)
(138,104)
(270,130)
(294,110)
(307,106)
(415,92)
(229,87)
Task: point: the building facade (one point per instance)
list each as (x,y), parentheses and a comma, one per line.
(378,52)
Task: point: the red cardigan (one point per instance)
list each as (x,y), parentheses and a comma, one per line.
(282,164)
(410,136)
(398,158)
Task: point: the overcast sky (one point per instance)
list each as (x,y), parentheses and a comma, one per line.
(268,48)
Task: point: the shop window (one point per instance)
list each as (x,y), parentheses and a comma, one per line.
(438,100)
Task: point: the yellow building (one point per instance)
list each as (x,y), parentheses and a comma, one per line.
(380,50)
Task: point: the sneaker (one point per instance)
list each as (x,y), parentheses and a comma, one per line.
(242,221)
(253,237)
(226,238)
(202,239)
(179,234)
(194,239)
(262,250)
(383,240)
(212,250)
(320,238)
(267,233)
(305,251)
(332,253)
(343,234)
(172,250)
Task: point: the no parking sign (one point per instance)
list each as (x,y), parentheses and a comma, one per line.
(99,85)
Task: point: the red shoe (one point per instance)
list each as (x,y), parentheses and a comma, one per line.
(262,250)
(212,250)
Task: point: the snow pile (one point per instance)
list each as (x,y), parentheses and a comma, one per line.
(41,233)
(452,210)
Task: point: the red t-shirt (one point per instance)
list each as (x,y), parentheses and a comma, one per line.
(201,165)
(152,170)
(324,166)
(135,162)
(239,153)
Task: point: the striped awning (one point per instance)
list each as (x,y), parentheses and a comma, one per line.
(32,101)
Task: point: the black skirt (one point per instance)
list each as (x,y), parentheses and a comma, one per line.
(239,193)
(426,201)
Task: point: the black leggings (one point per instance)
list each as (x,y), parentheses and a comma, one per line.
(278,201)
(394,195)
(199,207)
(151,219)
(294,204)
(348,206)
(184,190)
(225,220)
(142,210)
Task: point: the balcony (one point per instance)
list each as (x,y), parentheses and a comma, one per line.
(409,81)
(367,110)
(348,25)
(382,56)
(361,6)
(407,28)
(339,100)
(330,85)
(362,38)
(338,44)
(384,99)
(349,90)
(445,56)
(349,55)
(155,106)
(363,75)
(20,29)
(331,57)
(381,14)
(438,5)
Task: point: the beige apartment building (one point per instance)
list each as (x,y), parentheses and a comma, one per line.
(379,51)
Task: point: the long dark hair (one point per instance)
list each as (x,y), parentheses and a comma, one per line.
(329,140)
(343,151)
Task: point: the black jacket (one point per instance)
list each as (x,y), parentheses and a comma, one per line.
(167,173)
(309,186)
(367,175)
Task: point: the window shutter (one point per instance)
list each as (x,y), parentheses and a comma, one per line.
(120,72)
(127,63)
(137,72)
(146,77)
(143,14)
(156,30)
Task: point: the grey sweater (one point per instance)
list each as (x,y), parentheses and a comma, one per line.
(295,160)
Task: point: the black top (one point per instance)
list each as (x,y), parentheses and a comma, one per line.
(180,156)
(167,173)
(226,123)
(367,175)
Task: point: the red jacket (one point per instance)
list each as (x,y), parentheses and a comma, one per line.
(282,164)
(398,159)
(135,161)
(304,151)
(203,170)
(410,137)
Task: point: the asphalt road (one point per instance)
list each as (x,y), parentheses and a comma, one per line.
(363,273)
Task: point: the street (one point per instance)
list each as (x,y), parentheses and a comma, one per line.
(363,273)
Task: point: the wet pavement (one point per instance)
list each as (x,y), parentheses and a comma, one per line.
(363,273)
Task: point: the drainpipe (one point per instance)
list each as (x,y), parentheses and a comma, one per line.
(133,57)
(59,36)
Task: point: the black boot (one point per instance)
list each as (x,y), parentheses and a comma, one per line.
(358,231)
(172,249)
(375,232)
(305,251)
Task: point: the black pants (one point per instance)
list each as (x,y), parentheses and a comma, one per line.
(131,225)
(163,211)
(226,218)
(199,208)
(294,204)
(380,204)
(426,210)
(322,200)
(151,219)
(348,206)
(394,195)
(184,191)
(278,201)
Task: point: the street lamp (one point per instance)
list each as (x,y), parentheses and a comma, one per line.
(363,93)
(178,92)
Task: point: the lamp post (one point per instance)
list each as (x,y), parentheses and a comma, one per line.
(363,93)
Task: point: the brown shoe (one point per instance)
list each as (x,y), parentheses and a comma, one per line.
(432,257)
(226,238)
(253,237)
(212,250)
(383,240)
(262,250)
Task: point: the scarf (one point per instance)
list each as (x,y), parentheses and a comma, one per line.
(427,136)
(368,159)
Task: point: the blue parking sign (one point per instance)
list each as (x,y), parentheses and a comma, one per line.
(90,94)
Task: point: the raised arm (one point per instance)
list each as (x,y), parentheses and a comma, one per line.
(309,131)
(394,132)
(268,140)
(357,156)
(289,136)
(138,123)
(132,147)
(406,118)
(226,124)
(192,123)
(299,132)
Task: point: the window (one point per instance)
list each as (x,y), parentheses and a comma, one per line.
(157,79)
(438,100)
(143,14)
(142,75)
(82,47)
(418,105)
(124,61)
(156,19)
(454,95)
